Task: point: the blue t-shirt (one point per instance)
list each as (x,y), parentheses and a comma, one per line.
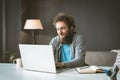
(66,54)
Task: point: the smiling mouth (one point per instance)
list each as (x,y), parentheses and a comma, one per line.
(62,36)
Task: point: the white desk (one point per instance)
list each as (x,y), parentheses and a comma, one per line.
(11,72)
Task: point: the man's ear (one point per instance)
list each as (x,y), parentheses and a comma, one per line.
(71,28)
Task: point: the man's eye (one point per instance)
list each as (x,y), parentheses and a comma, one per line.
(63,28)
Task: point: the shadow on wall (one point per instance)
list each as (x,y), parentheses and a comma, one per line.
(43,39)
(26,38)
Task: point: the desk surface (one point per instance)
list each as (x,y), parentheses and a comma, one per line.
(11,72)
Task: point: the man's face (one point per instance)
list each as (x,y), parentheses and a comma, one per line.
(63,30)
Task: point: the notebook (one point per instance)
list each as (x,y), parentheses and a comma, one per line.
(38,58)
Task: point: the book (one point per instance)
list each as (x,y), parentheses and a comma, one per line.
(89,69)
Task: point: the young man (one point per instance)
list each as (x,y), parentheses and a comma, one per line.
(69,46)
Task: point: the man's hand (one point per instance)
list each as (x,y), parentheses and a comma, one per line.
(59,65)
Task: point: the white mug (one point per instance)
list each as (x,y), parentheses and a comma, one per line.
(18,62)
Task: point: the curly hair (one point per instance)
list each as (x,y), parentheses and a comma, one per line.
(66,18)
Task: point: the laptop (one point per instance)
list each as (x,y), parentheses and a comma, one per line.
(38,58)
